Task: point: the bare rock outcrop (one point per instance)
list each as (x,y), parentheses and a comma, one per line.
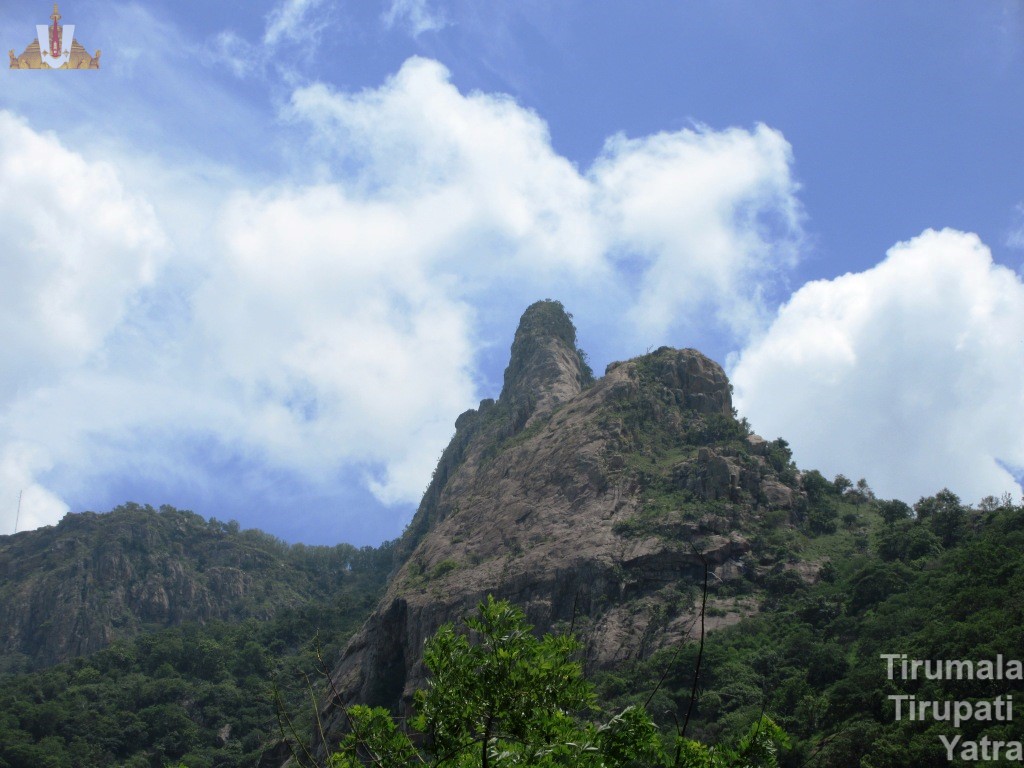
(544,497)
(545,367)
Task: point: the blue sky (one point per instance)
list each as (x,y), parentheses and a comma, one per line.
(258,263)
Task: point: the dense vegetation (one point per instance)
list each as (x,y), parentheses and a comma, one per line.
(941,581)
(500,696)
(205,695)
(71,589)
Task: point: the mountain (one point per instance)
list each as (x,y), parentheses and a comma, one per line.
(598,506)
(152,638)
(588,503)
(71,589)
(601,507)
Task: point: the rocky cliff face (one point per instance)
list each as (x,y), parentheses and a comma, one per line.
(73,588)
(546,368)
(584,502)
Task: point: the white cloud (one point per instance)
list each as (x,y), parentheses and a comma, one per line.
(460,166)
(24,503)
(78,249)
(712,216)
(714,212)
(334,328)
(362,357)
(908,373)
(416,15)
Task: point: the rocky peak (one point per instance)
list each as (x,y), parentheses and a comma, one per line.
(696,382)
(545,368)
(574,499)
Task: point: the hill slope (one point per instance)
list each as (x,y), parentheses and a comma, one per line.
(592,504)
(158,637)
(584,502)
(73,588)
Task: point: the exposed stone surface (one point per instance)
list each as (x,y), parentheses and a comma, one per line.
(776,494)
(540,499)
(758,445)
(698,383)
(545,367)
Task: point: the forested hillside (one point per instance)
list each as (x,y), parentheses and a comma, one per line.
(206,688)
(941,581)
(74,588)
(705,576)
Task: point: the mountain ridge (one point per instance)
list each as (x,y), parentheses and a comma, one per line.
(592,504)
(540,499)
(74,588)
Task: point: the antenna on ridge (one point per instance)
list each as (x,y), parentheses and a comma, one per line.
(17,515)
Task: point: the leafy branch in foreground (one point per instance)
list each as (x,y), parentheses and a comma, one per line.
(500,696)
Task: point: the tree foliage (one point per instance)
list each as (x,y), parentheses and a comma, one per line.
(199,695)
(812,655)
(500,696)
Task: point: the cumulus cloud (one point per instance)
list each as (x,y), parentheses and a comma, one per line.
(360,356)
(908,373)
(460,166)
(699,220)
(334,327)
(79,248)
(716,215)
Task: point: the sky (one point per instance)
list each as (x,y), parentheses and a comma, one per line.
(258,263)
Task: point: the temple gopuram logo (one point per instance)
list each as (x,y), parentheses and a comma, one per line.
(55,47)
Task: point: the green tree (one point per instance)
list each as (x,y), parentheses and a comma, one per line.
(500,696)
(842,484)
(945,514)
(506,698)
(894,511)
(876,582)
(821,514)
(907,540)
(818,489)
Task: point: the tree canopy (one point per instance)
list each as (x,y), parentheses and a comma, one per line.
(500,696)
